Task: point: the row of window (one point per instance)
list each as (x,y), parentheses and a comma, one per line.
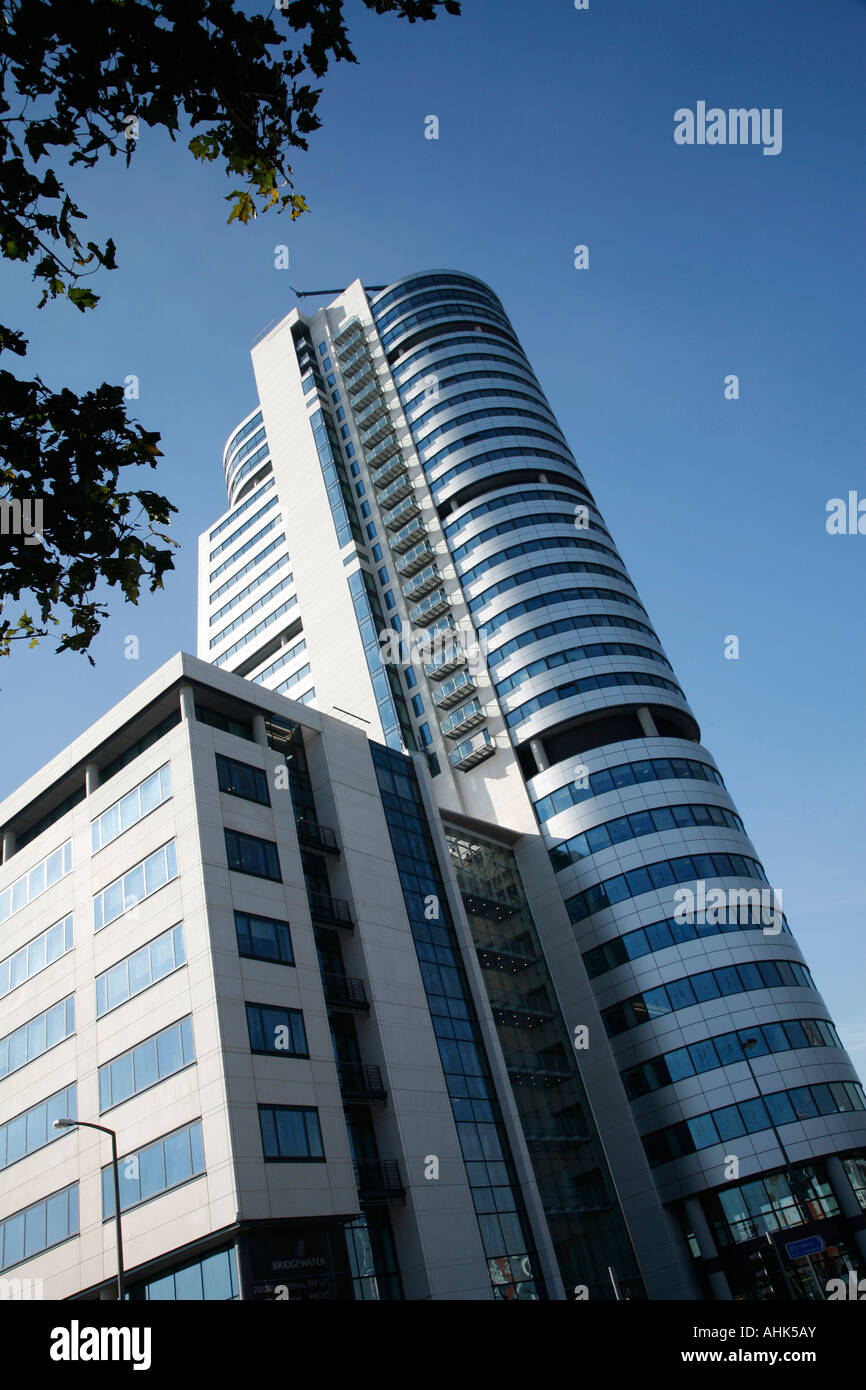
(657,936)
(445,401)
(638,823)
(544,543)
(246,547)
(412,295)
(141,969)
(697,989)
(281,661)
(45,874)
(724,1050)
(492,414)
(447,311)
(243,433)
(243,451)
(409,288)
(254,631)
(213,1278)
(537,572)
(426,354)
(623,775)
(250,521)
(131,808)
(155,1168)
(42,951)
(37,1036)
(537,634)
(245,569)
(239,511)
(43,1224)
(514,454)
(434,369)
(295,679)
(662,874)
(256,607)
(585,685)
(750,1117)
(147,1063)
(249,588)
(549,600)
(745,1210)
(250,466)
(518,499)
(135,885)
(34,1128)
(520,523)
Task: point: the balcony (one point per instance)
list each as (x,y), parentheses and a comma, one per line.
(451,692)
(467,717)
(503,953)
(469,754)
(362,374)
(379,1183)
(345,340)
(382,451)
(445,662)
(415,558)
(352,364)
(536,1068)
(367,398)
(407,535)
(332,912)
(516,1010)
(316,836)
(360,1082)
(554,1130)
(395,492)
(391,468)
(377,433)
(429,607)
(366,417)
(345,992)
(566,1201)
(423,582)
(403,512)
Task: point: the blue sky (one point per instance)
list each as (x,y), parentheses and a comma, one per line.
(556,129)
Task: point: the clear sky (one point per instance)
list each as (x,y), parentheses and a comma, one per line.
(556,129)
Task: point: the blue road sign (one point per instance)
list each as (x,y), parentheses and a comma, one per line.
(810,1245)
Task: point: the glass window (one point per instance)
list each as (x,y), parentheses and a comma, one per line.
(754,1115)
(680,993)
(703,1131)
(290,1132)
(679,1064)
(780,1108)
(39,1226)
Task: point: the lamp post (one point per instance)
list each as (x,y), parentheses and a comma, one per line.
(793,1181)
(103,1129)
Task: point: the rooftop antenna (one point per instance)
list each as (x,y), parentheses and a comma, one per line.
(317,294)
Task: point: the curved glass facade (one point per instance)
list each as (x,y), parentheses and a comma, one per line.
(631,850)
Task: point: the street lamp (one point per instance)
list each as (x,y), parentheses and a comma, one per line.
(103,1129)
(793,1181)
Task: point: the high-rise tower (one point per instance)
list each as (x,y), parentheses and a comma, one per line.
(411,545)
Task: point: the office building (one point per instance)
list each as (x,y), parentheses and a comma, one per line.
(410,546)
